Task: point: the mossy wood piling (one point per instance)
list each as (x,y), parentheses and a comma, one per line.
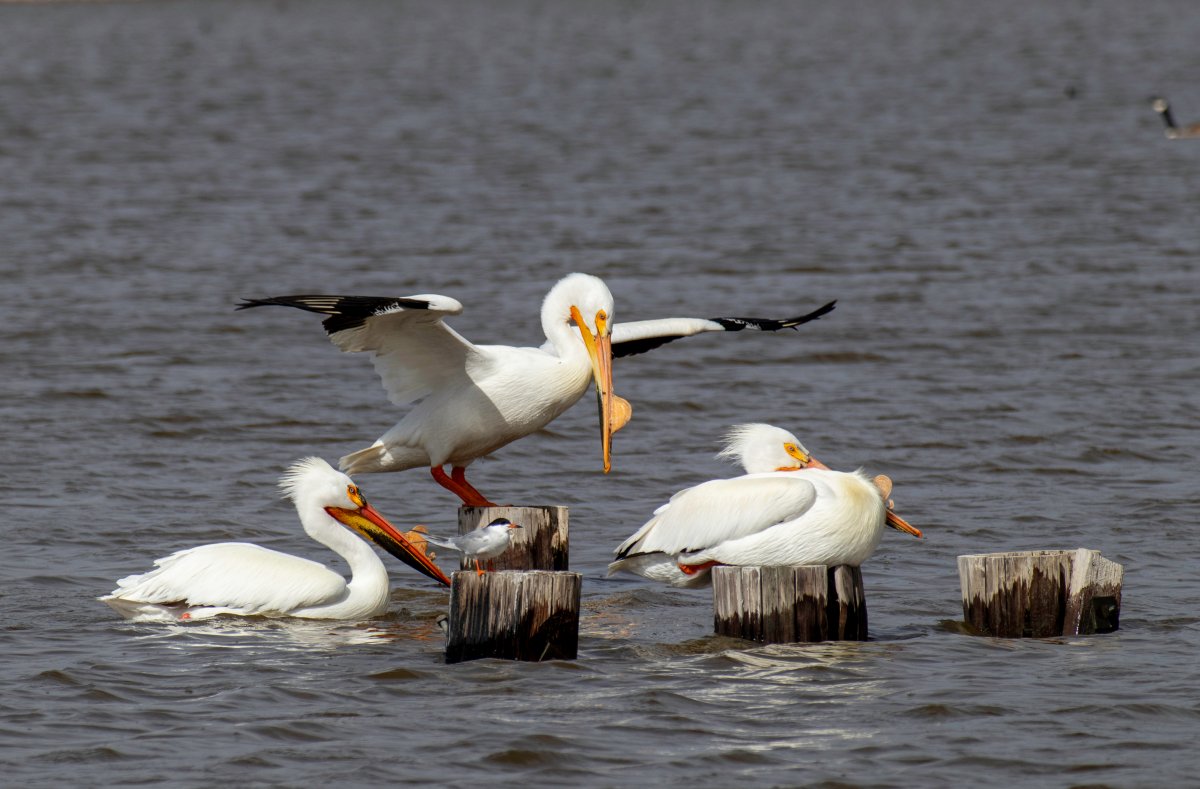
(531,615)
(776,605)
(1037,594)
(527,606)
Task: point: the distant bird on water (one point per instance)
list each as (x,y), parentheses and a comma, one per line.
(801,514)
(471,400)
(246,580)
(1173,132)
(486,542)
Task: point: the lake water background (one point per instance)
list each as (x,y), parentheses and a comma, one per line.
(1012,242)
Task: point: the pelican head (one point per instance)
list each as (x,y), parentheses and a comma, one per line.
(585,303)
(312,484)
(763,448)
(1159,104)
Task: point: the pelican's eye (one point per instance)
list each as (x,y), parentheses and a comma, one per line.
(355,496)
(796,452)
(602,328)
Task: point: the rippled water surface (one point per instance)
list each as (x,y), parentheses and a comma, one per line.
(1012,242)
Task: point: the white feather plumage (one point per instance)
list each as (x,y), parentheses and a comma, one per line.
(476,398)
(246,579)
(765,517)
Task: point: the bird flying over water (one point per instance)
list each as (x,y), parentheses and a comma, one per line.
(245,579)
(471,400)
(803,513)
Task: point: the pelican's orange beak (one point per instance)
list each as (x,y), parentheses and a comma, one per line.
(599,349)
(812,462)
(898,523)
(883,484)
(368,523)
(803,459)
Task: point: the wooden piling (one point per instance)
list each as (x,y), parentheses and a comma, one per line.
(1036,594)
(531,616)
(777,605)
(540,544)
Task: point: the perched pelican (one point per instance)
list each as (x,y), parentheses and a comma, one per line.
(473,399)
(808,514)
(1172,131)
(245,579)
(486,542)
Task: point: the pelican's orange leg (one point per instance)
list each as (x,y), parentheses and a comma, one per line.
(692,569)
(469,496)
(478,569)
(460,476)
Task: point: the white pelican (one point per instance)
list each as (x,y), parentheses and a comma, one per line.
(486,542)
(1173,132)
(245,579)
(763,448)
(474,399)
(802,514)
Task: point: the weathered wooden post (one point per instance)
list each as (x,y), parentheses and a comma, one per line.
(540,544)
(1035,594)
(528,609)
(514,615)
(777,605)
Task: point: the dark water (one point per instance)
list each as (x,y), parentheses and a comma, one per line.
(1013,244)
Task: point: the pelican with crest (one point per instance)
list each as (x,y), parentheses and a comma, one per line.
(244,579)
(790,509)
(471,400)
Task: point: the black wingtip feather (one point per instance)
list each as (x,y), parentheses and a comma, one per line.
(772,324)
(345,312)
(792,323)
(634,347)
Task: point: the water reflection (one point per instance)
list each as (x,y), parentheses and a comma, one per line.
(268,634)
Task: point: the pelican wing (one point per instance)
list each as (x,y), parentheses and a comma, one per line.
(414,351)
(641,336)
(720,510)
(236,575)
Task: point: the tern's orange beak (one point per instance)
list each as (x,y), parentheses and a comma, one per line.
(599,349)
(367,522)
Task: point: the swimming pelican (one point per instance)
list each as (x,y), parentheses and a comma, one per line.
(486,542)
(793,516)
(471,400)
(245,579)
(1173,132)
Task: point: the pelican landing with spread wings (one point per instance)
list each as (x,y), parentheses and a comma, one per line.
(802,513)
(244,579)
(471,400)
